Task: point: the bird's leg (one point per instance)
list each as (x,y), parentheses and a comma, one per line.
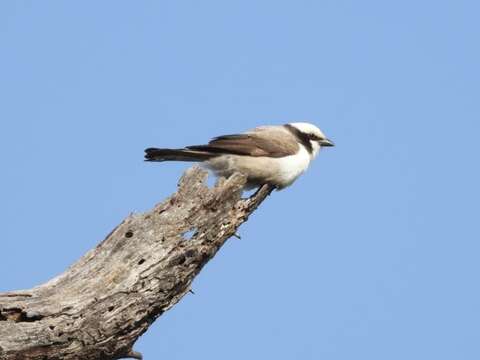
(261,187)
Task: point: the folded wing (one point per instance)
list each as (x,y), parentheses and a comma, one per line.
(274,144)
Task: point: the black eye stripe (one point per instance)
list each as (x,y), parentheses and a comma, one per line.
(303,138)
(314,137)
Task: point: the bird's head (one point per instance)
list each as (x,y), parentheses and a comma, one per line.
(316,137)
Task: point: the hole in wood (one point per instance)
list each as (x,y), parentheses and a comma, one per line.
(177,260)
(19,315)
(189,234)
(129,234)
(191,253)
(141,261)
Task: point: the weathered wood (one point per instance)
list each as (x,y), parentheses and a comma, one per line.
(99,306)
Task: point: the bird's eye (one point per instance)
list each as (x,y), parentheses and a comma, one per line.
(314,137)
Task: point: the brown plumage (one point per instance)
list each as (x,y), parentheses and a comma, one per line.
(257,143)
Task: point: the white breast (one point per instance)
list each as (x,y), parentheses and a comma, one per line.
(280,172)
(291,167)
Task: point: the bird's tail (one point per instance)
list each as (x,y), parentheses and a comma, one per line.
(155,154)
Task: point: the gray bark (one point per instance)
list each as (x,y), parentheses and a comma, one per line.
(99,306)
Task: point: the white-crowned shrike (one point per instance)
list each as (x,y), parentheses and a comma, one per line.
(275,155)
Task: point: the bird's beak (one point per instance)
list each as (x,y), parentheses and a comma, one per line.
(326,142)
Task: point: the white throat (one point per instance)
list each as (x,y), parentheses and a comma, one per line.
(315,148)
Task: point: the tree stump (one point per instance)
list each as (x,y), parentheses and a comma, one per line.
(99,306)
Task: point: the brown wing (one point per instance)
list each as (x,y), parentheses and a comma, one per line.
(257,143)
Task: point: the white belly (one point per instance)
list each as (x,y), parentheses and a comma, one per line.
(280,172)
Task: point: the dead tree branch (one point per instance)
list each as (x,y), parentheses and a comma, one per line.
(99,306)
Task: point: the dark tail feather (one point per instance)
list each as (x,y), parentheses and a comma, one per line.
(154,154)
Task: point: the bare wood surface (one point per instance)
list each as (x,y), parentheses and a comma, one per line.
(99,306)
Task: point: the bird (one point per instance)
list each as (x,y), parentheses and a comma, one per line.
(273,154)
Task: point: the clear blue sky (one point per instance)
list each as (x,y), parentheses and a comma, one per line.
(373,254)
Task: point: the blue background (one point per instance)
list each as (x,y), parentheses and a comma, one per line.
(372,254)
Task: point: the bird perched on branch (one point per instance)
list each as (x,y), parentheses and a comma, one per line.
(275,155)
